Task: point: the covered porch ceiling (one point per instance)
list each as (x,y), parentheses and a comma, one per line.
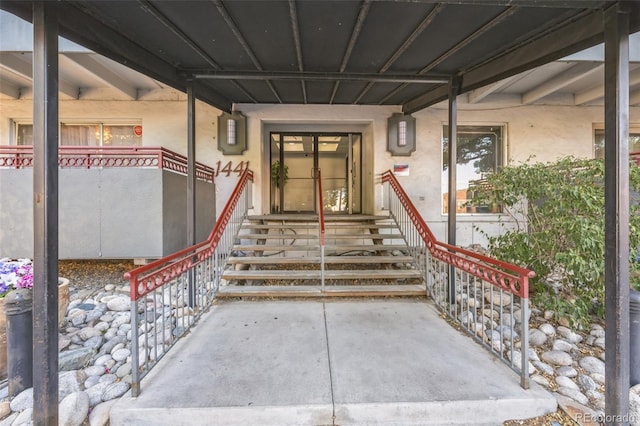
(369,52)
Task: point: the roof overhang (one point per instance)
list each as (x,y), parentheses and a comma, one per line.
(331,52)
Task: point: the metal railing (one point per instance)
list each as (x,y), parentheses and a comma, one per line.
(486,297)
(321,224)
(87,157)
(170,294)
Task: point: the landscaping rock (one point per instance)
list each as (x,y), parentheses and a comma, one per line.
(557,358)
(100,414)
(592,365)
(537,338)
(75,359)
(73,409)
(23,400)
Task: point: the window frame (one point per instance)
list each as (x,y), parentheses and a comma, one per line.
(634,128)
(502,155)
(78,122)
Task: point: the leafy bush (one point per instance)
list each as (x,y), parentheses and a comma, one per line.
(558,209)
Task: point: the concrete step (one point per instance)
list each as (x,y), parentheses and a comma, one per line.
(249,225)
(275,236)
(328,248)
(362,236)
(286,274)
(275,247)
(315,225)
(375,226)
(311,217)
(332,236)
(316,291)
(364,247)
(261,260)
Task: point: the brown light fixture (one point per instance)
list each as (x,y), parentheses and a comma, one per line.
(232,133)
(401,139)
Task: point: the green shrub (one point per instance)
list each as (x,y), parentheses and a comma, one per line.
(558,210)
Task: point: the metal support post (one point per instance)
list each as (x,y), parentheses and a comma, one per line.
(191,182)
(45,212)
(616,105)
(452,137)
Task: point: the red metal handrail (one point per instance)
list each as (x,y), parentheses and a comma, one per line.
(147,278)
(509,277)
(322,229)
(320,207)
(19,156)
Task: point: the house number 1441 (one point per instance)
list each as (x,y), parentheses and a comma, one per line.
(228,168)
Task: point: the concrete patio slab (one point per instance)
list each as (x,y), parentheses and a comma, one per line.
(328,362)
(399,363)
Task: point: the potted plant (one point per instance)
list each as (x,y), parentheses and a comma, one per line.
(16,274)
(275,178)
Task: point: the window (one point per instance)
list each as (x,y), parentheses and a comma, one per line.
(95,134)
(479,153)
(634,141)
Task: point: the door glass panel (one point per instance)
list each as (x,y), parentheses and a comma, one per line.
(339,158)
(356,173)
(333,161)
(299,189)
(275,173)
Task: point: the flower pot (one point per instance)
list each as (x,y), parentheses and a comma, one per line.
(63,304)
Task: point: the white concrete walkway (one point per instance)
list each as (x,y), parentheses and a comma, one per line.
(325,363)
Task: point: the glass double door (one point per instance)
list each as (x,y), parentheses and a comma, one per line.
(295,159)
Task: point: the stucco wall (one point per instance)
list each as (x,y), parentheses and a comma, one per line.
(105,213)
(543,131)
(536,132)
(174,219)
(16,213)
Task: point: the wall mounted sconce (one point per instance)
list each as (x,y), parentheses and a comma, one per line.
(232,133)
(401,140)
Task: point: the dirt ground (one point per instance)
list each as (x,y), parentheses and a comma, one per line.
(559,418)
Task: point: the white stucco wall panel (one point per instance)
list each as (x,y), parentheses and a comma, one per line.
(174,211)
(80,213)
(16,213)
(174,218)
(131,225)
(205,209)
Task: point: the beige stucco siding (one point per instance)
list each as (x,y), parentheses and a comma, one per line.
(544,132)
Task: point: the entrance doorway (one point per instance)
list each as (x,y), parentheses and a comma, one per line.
(295,157)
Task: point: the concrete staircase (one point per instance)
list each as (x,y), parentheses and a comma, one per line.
(280,256)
